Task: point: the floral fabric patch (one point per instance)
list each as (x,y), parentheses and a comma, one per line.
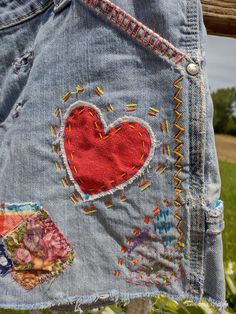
(5,261)
(117,153)
(12,214)
(38,249)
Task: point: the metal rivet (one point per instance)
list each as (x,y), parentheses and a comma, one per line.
(192,69)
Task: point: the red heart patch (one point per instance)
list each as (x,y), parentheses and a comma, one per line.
(101,159)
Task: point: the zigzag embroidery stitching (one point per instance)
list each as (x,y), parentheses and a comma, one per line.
(178,163)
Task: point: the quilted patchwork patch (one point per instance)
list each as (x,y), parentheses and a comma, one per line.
(116,153)
(38,250)
(12,214)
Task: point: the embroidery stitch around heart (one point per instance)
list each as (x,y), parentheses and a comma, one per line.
(89,144)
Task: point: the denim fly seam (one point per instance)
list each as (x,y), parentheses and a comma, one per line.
(201,117)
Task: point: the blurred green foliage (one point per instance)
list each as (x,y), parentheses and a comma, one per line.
(224,101)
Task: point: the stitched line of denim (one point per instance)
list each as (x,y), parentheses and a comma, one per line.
(197,117)
(191,32)
(29,15)
(138,31)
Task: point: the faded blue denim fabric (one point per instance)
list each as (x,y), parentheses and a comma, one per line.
(159,229)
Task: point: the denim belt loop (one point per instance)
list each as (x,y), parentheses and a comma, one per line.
(59,5)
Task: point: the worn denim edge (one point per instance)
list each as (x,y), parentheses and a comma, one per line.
(115,296)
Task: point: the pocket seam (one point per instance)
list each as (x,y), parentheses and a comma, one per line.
(138,31)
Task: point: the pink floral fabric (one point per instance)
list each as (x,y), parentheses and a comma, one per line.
(38,249)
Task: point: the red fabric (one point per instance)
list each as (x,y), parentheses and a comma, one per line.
(8,221)
(100,161)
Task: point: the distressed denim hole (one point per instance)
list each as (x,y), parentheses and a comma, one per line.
(23,61)
(17,109)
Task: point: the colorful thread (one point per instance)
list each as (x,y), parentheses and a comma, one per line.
(135,29)
(153,111)
(99,91)
(180,157)
(144,143)
(131,107)
(110,108)
(145,184)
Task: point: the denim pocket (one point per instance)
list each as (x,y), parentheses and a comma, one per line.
(214,287)
(138,31)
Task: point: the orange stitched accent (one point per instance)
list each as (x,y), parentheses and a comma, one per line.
(117,130)
(147,220)
(136,231)
(66,96)
(124,249)
(79,89)
(178,164)
(129,240)
(55,149)
(57,112)
(53,129)
(117,273)
(141,158)
(65,182)
(82,110)
(123,197)
(156,211)
(80,180)
(135,261)
(105,137)
(74,198)
(57,165)
(110,108)
(99,91)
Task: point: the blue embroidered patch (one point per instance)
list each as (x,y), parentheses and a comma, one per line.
(5,262)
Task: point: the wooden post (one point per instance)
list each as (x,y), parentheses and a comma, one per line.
(220,17)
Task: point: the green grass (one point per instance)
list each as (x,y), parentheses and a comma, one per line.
(228,195)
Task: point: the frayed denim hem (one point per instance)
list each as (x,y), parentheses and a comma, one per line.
(113,296)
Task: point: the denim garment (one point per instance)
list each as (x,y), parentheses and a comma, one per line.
(108,169)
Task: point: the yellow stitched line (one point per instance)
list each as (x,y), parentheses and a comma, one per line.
(178,163)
